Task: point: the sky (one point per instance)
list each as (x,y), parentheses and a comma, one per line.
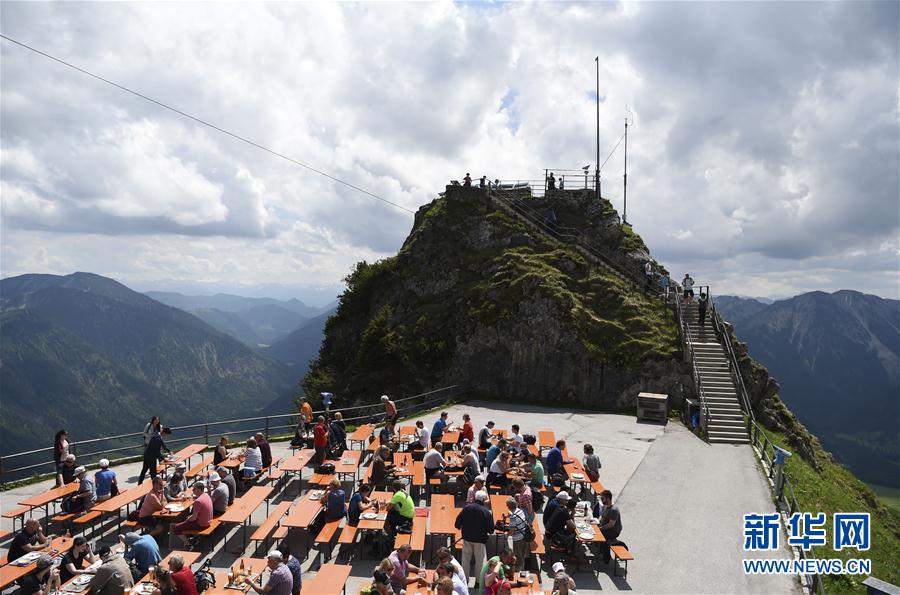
(763,156)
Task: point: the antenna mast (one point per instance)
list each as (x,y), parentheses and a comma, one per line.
(625,175)
(597,181)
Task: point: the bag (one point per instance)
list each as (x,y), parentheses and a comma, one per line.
(529,533)
(136,573)
(405,528)
(134,516)
(113,490)
(325,469)
(537,499)
(203,578)
(530,439)
(470,475)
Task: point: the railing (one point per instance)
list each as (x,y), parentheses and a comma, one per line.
(687,339)
(725,339)
(129,445)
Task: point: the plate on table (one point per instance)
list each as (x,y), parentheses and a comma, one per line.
(316,494)
(578,476)
(400,469)
(81,580)
(369,516)
(27,559)
(143,589)
(175,507)
(348,461)
(586,535)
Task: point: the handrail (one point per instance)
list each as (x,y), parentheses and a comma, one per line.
(688,340)
(719,326)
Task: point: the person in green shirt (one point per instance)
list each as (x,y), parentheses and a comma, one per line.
(401,508)
(537,472)
(507,568)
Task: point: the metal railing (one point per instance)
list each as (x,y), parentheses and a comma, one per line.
(687,339)
(125,446)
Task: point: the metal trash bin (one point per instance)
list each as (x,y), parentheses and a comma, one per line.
(653,407)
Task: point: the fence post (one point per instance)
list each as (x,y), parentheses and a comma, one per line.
(267,427)
(206,434)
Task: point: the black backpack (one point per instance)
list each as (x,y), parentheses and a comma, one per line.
(203,578)
(325,469)
(530,439)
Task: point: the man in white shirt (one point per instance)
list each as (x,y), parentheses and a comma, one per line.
(434,462)
(423,438)
(516,439)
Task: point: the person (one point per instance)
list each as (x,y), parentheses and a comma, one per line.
(293,565)
(551,182)
(591,463)
(688,285)
(562,182)
(536,468)
(253,463)
(702,304)
(67,471)
(446,574)
(265,450)
(517,440)
(483,182)
(44,580)
(218,493)
(337,435)
(434,461)
(562,582)
(475,521)
(381,578)
(165,584)
(73,562)
(221,452)
(181,575)
(471,466)
(467,181)
(320,440)
(176,486)
(401,508)
(648,271)
(610,521)
(334,501)
(505,563)
(153,453)
(306,416)
(561,526)
(484,435)
(201,513)
(153,502)
(440,426)
(327,399)
(382,471)
(664,282)
(497,472)
(60,452)
(555,459)
(421,440)
(113,577)
(228,479)
(390,411)
(105,481)
(401,568)
(29,539)
(467,432)
(359,503)
(280,582)
(518,528)
(493,577)
(143,549)
(562,498)
(493,451)
(445,556)
(524,499)
(153,427)
(85,497)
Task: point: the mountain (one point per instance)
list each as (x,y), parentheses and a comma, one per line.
(76,348)
(232,303)
(836,358)
(302,345)
(230,323)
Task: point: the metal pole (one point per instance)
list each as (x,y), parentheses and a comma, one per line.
(597,183)
(625,178)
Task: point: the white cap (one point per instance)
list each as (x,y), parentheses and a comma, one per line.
(181,465)
(104,463)
(558,567)
(385,398)
(481,496)
(214,476)
(564,496)
(79,470)
(275,555)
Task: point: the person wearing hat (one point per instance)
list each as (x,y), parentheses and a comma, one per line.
(280,580)
(105,481)
(228,479)
(44,580)
(561,498)
(113,577)
(143,549)
(218,493)
(475,522)
(86,495)
(201,513)
(73,562)
(562,582)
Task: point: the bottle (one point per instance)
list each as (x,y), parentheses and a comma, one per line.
(242,567)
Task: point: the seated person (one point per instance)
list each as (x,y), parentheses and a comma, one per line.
(422,437)
(382,471)
(29,539)
(43,581)
(555,460)
(337,436)
(494,451)
(252,459)
(176,487)
(497,472)
(105,480)
(154,501)
(218,493)
(334,501)
(434,461)
(201,513)
(73,562)
(142,549)
(359,503)
(440,426)
(484,435)
(561,526)
(86,495)
(401,509)
(591,463)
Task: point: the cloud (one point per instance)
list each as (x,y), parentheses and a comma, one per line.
(764,149)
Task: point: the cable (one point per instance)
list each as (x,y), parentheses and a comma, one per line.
(205,123)
(613,151)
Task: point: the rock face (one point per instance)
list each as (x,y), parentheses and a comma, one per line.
(475,297)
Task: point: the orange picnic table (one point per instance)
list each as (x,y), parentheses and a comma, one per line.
(329,580)
(184,455)
(188,557)
(12,572)
(252,566)
(348,465)
(303,515)
(450,438)
(361,435)
(116,503)
(546,440)
(442,518)
(52,495)
(574,470)
(296,462)
(242,508)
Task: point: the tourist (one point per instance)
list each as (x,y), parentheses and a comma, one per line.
(648,273)
(484,435)
(561,526)
(516,439)
(60,452)
(497,472)
(445,586)
(265,450)
(228,479)
(153,502)
(280,582)
(702,304)
(320,441)
(382,471)
(252,459)
(483,182)
(73,562)
(555,459)
(434,462)
(477,486)
(519,528)
(445,573)
(467,181)
(551,182)
(218,493)
(221,451)
(445,556)
(421,440)
(30,538)
(113,577)
(524,498)
(306,416)
(475,521)
(85,497)
(400,509)
(664,282)
(164,583)
(293,565)
(471,466)
(492,578)
(337,435)
(688,285)
(201,513)
(390,411)
(591,463)
(142,549)
(381,578)
(177,486)
(153,453)
(610,521)
(468,429)
(562,498)
(505,563)
(402,572)
(440,426)
(182,576)
(43,581)
(562,182)
(334,500)
(153,428)
(562,582)
(493,451)
(105,481)
(536,468)
(359,503)
(67,471)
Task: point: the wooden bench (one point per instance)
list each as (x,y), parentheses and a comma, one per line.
(203,533)
(18,513)
(88,517)
(63,518)
(348,535)
(199,467)
(597,487)
(416,539)
(272,522)
(537,546)
(326,534)
(4,534)
(280,533)
(620,554)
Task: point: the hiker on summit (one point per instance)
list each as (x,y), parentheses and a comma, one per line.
(467,181)
(688,284)
(483,182)
(702,304)
(664,283)
(551,182)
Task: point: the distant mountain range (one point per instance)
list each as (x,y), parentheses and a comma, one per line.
(85,352)
(837,359)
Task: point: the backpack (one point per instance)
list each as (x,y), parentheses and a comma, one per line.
(325,469)
(203,578)
(470,475)
(529,533)
(530,439)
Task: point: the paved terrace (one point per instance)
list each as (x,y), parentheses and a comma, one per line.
(681,500)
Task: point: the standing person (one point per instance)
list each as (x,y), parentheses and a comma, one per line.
(591,463)
(648,273)
(320,440)
(483,182)
(280,582)
(293,565)
(390,411)
(518,531)
(702,304)
(306,416)
(44,580)
(182,576)
(688,285)
(142,549)
(152,428)
(476,522)
(73,562)
(221,452)
(265,450)
(524,498)
(30,538)
(113,577)
(105,481)
(562,182)
(467,181)
(551,182)
(664,283)
(60,452)
(201,513)
(153,453)
(610,521)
